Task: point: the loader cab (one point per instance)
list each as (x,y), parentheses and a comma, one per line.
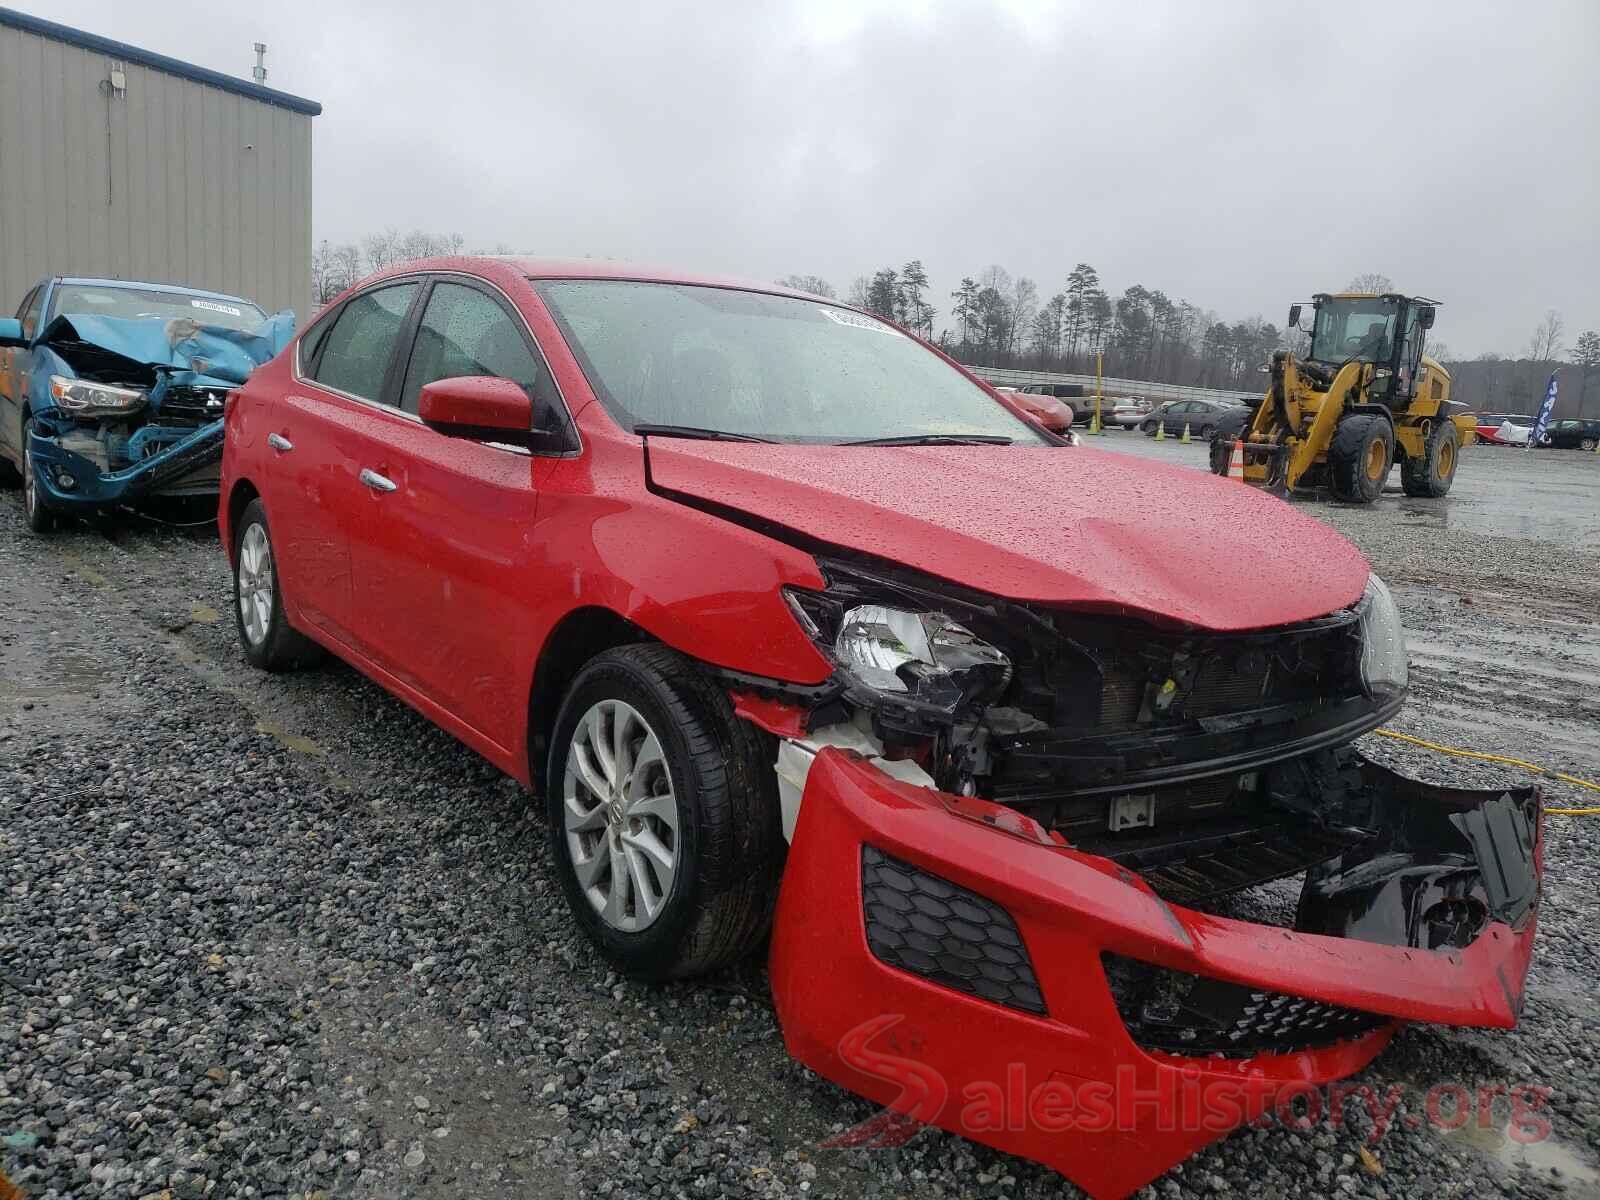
(1387,331)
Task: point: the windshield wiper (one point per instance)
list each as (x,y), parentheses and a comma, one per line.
(935,439)
(695,431)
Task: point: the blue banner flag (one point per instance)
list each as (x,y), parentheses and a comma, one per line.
(1545,409)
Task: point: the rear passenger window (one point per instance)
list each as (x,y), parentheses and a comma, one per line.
(464,332)
(361,342)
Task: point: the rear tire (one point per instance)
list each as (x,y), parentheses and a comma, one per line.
(1587,444)
(1359,458)
(727,845)
(35,511)
(1433,473)
(270,643)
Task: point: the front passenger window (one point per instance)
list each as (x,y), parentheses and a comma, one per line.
(355,357)
(464,332)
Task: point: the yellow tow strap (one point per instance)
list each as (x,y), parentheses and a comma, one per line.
(1509,762)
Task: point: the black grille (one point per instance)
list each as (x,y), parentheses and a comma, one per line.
(930,927)
(1180,1013)
(191,405)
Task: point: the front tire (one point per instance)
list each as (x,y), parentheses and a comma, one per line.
(1359,458)
(1433,473)
(1588,444)
(1221,455)
(270,643)
(35,510)
(663,815)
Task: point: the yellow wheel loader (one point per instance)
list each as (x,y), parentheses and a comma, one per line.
(1364,397)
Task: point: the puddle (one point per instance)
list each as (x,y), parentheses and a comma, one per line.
(1549,1159)
(300,745)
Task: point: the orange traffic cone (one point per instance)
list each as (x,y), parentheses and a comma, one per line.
(1236,463)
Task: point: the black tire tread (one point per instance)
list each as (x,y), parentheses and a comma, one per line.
(1419,477)
(1347,474)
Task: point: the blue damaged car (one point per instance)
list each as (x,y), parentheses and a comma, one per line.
(113,391)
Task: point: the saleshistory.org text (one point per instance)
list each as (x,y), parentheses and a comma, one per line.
(1182,1100)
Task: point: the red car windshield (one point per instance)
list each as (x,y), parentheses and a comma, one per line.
(763,366)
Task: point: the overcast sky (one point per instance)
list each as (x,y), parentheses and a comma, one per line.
(1237,155)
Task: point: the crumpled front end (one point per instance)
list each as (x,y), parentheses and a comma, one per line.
(952,959)
(129,408)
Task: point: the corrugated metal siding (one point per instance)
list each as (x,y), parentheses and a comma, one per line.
(176,181)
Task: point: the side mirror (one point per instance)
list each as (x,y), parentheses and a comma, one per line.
(486,408)
(1425,316)
(1294,316)
(11,332)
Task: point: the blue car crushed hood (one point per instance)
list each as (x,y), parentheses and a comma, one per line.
(171,443)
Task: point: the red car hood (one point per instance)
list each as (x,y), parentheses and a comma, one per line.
(1092,529)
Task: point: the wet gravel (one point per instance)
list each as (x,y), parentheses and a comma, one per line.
(277,936)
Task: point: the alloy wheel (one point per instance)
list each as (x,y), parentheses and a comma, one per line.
(621,815)
(255,584)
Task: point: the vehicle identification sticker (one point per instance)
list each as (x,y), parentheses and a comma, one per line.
(213,306)
(856,321)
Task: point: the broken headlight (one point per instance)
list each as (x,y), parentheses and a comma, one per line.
(1383,640)
(926,659)
(81,398)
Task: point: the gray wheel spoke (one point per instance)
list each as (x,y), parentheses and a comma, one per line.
(593,779)
(616,910)
(581,821)
(620,815)
(595,736)
(591,868)
(646,842)
(662,808)
(647,901)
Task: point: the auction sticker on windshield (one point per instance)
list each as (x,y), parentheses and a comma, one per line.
(856,321)
(213,306)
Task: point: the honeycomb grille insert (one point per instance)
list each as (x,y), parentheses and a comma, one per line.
(1189,1014)
(930,927)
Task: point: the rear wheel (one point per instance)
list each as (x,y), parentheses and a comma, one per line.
(269,642)
(35,510)
(663,814)
(1208,432)
(1434,471)
(1359,458)
(1588,443)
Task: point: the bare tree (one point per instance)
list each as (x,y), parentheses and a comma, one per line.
(1370,281)
(1546,344)
(813,284)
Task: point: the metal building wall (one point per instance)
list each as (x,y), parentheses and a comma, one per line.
(175,181)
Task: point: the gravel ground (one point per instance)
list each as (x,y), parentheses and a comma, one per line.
(270,936)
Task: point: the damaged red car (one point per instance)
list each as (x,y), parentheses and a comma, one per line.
(802,632)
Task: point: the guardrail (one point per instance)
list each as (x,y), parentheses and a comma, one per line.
(1112,387)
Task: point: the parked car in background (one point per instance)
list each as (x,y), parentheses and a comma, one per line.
(796,629)
(112,391)
(1568,434)
(1126,412)
(1201,416)
(1492,429)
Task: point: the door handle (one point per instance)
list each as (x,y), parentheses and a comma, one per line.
(376,482)
(278,442)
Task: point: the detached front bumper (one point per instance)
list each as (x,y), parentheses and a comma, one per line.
(167,471)
(958,963)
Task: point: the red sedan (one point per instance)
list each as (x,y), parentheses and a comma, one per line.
(798,629)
